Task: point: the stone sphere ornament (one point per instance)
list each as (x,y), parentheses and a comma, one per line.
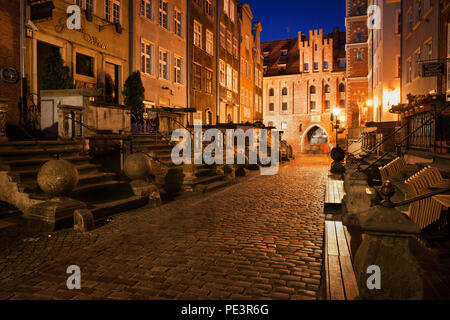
(337,154)
(57,177)
(137,166)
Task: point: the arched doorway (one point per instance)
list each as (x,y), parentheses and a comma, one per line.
(315,140)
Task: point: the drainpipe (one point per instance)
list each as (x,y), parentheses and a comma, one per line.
(22,62)
(131,35)
(188,64)
(217,61)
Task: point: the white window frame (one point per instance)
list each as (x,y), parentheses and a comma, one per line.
(145,4)
(110,10)
(164,63)
(149,57)
(198,34)
(164,13)
(209,7)
(209,42)
(235,81)
(229,77)
(229,42)
(208,81)
(86,4)
(178,22)
(222,73)
(226,6)
(232,10)
(178,69)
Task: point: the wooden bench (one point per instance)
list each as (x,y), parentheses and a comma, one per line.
(340,278)
(426,211)
(394,169)
(334,192)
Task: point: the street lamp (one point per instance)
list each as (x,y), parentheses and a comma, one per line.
(336,122)
(337,154)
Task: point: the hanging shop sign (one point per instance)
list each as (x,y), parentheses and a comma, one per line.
(40,10)
(433,69)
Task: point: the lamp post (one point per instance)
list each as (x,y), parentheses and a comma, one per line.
(336,123)
(337,154)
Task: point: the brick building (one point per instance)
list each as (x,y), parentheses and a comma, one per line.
(304,81)
(10,56)
(358,112)
(202,54)
(159,51)
(250,67)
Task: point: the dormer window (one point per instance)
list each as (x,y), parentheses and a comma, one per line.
(284,52)
(282,67)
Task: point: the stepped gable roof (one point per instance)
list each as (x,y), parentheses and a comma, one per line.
(281,57)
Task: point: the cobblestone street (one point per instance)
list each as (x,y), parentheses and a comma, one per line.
(259,239)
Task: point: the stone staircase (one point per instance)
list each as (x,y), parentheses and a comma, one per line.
(160,148)
(20,162)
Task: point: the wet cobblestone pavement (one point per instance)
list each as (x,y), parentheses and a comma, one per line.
(261,238)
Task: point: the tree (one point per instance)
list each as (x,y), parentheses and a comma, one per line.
(134,94)
(56,74)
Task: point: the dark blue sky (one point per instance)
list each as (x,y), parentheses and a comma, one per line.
(299,15)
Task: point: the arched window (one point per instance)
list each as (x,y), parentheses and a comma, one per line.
(341,87)
(327,88)
(285,92)
(271,92)
(208,117)
(312,90)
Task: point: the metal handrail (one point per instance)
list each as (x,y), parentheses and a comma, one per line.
(406,138)
(53,155)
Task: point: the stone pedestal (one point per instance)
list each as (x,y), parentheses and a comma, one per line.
(356,198)
(189,178)
(83,220)
(143,188)
(228,170)
(385,245)
(56,213)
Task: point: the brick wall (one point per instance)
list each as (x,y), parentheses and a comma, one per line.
(10,52)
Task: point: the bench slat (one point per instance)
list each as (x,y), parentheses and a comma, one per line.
(331,236)
(348,276)
(342,241)
(336,283)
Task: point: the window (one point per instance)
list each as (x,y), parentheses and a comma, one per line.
(232,10)
(209,7)
(147,58)
(358,55)
(247,42)
(409,70)
(342,103)
(313,105)
(306,67)
(284,52)
(327,104)
(84,65)
(178,18)
(229,77)
(312,90)
(178,70)
(209,42)
(284,92)
(271,92)
(327,88)
(86,4)
(147,9)
(284,106)
(325,65)
(197,83)
(342,63)
(398,21)
(229,42)
(199,3)
(358,11)
(209,81)
(429,50)
(359,37)
(410,22)
(164,14)
(164,64)
(235,48)
(418,10)
(284,125)
(235,81)
(222,35)
(112,11)
(417,63)
(226,6)
(271,107)
(222,73)
(197,34)
(342,87)
(316,66)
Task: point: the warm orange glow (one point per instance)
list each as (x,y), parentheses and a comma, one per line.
(336,111)
(369,102)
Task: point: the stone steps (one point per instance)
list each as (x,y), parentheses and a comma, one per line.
(36,163)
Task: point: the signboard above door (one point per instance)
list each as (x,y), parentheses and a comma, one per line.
(433,69)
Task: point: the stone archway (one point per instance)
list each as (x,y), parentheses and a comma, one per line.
(315,139)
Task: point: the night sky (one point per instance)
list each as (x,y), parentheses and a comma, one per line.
(299,15)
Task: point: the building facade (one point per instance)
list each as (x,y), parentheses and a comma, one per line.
(445,44)
(384,60)
(304,82)
(258,60)
(228,65)
(10,58)
(202,56)
(358,112)
(420,44)
(159,50)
